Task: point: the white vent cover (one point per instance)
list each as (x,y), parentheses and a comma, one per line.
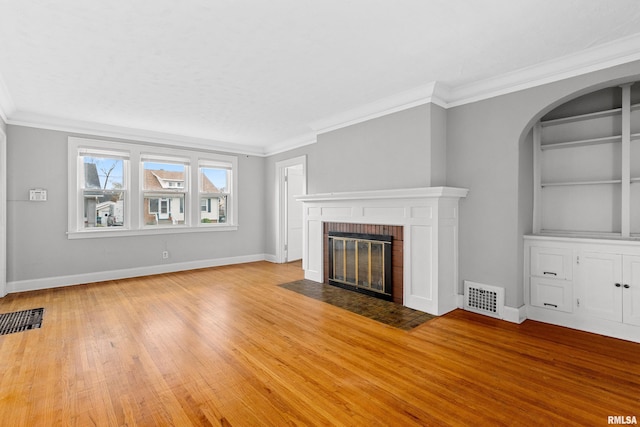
(484,299)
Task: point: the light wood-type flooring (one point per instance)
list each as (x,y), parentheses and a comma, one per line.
(227,347)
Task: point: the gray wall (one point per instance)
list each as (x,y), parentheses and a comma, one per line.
(402,150)
(393,151)
(3,126)
(36,237)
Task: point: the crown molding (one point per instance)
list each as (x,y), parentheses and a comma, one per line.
(290,144)
(433,92)
(140,135)
(597,58)
(606,55)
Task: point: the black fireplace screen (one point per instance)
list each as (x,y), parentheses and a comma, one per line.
(361,262)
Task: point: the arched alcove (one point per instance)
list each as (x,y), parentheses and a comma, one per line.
(586,164)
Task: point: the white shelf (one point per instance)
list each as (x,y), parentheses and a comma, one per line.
(568,183)
(579,117)
(583,142)
(572,188)
(588,116)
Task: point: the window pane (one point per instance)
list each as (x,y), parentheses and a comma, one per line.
(164,209)
(164,176)
(213,180)
(103,208)
(103,173)
(213,209)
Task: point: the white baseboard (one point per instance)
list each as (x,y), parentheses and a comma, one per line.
(101,276)
(271,258)
(515,315)
(510,314)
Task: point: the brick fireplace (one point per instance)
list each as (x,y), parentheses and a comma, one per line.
(424,224)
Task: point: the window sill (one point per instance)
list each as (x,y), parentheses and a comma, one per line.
(114,232)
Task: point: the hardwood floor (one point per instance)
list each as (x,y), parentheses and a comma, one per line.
(228,347)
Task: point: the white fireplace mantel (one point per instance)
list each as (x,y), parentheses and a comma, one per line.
(429,217)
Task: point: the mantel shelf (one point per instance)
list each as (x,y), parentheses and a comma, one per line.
(406,193)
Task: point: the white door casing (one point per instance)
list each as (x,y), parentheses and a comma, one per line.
(3,214)
(281,202)
(294,187)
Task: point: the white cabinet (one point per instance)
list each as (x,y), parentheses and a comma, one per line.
(551,262)
(552,294)
(587,284)
(631,290)
(600,290)
(551,275)
(610,286)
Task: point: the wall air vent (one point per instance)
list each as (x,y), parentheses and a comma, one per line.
(484,299)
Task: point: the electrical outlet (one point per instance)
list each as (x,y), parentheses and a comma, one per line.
(165,254)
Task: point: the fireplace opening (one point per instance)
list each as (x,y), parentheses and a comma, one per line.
(361,262)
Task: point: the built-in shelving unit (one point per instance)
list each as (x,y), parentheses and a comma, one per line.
(587,166)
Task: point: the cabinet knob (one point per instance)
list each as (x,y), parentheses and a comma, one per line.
(618,285)
(626,286)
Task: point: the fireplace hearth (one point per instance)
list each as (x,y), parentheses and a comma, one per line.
(361,262)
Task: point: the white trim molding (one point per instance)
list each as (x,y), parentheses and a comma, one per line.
(101,276)
(281,202)
(131,134)
(434,92)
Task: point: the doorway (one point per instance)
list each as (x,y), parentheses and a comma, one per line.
(292,182)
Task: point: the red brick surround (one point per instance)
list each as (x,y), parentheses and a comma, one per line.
(396,249)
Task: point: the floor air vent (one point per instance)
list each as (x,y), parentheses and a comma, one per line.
(484,299)
(21,321)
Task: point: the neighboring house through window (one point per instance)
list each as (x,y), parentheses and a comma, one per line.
(105,178)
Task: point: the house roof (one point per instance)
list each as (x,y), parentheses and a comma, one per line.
(153,180)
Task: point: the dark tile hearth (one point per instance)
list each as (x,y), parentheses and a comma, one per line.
(386,312)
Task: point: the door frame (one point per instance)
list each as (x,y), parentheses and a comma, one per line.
(281,202)
(3,213)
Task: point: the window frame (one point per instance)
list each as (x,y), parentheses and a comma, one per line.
(136,153)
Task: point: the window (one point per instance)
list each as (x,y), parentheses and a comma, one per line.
(103,189)
(129,189)
(214,183)
(164,190)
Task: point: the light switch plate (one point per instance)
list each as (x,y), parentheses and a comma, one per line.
(38,195)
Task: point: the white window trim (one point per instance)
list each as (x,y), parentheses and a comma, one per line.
(134,210)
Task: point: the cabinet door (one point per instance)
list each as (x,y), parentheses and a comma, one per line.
(553,263)
(598,294)
(631,294)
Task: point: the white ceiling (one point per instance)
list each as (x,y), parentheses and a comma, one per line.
(261,76)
